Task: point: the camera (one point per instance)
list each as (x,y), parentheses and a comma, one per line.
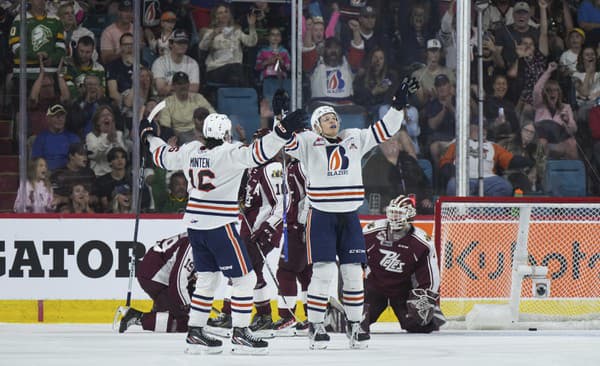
(256,12)
(540,287)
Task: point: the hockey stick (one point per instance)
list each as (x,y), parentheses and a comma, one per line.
(133,258)
(270,270)
(280,105)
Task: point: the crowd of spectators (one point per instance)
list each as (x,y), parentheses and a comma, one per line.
(541,81)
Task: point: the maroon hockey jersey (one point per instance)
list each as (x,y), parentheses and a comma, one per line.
(171,263)
(396,266)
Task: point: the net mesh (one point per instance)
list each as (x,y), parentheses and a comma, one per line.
(478,241)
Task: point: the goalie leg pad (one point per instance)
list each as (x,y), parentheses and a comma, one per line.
(241,299)
(202,298)
(317,298)
(353,295)
(421,308)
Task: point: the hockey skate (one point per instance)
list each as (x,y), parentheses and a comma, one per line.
(285,327)
(358,337)
(198,341)
(262,326)
(317,336)
(131,317)
(302,328)
(243,341)
(220,326)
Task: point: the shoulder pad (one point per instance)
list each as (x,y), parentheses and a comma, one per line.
(375,226)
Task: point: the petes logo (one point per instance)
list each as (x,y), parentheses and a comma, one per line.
(391,261)
(337,161)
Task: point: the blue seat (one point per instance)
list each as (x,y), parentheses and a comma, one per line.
(565,178)
(241,105)
(270,86)
(425,164)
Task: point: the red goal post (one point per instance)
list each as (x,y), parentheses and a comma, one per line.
(506,262)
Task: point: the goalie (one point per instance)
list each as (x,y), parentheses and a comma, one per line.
(402,270)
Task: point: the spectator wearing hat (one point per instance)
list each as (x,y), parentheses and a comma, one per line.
(179,108)
(509,36)
(427,75)
(160,43)
(588,17)
(53,143)
(494,159)
(568,59)
(111,46)
(76,170)
(175,61)
(121,199)
(500,14)
(222,43)
(367,29)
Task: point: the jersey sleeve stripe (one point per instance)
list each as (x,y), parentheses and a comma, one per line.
(292,144)
(380,132)
(257,152)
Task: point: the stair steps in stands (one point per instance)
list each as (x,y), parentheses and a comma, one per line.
(9,168)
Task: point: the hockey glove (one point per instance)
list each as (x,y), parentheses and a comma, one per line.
(421,305)
(407,88)
(294,121)
(147,128)
(265,237)
(281,102)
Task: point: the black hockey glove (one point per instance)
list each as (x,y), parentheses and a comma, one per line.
(292,122)
(147,128)
(281,102)
(407,88)
(264,237)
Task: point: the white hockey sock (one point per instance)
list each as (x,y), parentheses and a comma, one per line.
(318,296)
(241,299)
(261,296)
(353,295)
(202,298)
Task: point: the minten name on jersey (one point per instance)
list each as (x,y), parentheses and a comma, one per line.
(196,162)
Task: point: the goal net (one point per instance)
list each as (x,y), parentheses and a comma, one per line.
(514,262)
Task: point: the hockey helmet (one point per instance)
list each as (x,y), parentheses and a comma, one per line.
(216,126)
(400,212)
(318,113)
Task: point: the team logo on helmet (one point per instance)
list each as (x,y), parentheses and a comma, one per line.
(400,212)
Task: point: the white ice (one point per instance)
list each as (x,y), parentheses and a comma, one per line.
(99,345)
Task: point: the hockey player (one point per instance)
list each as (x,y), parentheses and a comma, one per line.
(214,172)
(403,270)
(261,231)
(331,161)
(165,273)
(296,266)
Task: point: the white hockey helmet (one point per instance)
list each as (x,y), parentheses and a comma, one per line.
(400,212)
(318,113)
(216,126)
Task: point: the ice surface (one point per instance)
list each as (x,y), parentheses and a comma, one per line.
(99,345)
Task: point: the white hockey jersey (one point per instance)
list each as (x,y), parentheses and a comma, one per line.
(333,169)
(213,175)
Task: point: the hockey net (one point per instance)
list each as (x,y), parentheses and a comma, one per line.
(514,262)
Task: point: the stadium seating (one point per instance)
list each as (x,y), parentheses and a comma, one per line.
(565,178)
(241,105)
(270,86)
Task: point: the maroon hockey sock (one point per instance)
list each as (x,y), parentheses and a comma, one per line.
(226,306)
(264,308)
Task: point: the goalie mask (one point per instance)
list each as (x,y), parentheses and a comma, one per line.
(216,126)
(400,212)
(317,114)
